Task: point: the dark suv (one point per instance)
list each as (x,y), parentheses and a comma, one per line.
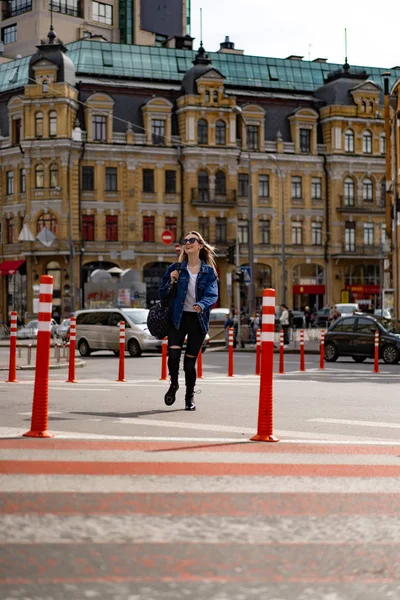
(355,335)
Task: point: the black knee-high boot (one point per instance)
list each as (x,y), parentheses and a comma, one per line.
(174,356)
(189,366)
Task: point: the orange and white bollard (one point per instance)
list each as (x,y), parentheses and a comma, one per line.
(121,368)
(164,352)
(12,367)
(230,352)
(376,353)
(265,407)
(40,406)
(258,352)
(200,365)
(322,351)
(72,350)
(302,364)
(281,352)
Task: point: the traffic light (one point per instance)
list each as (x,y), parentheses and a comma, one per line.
(240,277)
(231,255)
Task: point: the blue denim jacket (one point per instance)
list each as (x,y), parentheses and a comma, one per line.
(206,292)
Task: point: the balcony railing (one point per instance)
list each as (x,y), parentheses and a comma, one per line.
(369,250)
(205,198)
(351,205)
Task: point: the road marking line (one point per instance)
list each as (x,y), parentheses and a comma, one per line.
(361,423)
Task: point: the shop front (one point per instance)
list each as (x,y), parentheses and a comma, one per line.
(308,286)
(367,295)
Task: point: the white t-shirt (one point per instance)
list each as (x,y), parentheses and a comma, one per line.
(191,293)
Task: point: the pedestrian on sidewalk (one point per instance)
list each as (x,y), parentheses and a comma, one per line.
(195,276)
(284,323)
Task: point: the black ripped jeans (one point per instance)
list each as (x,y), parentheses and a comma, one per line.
(190,327)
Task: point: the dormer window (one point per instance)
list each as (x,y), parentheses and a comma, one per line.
(45,86)
(99,124)
(158,131)
(252,137)
(305,140)
(39,125)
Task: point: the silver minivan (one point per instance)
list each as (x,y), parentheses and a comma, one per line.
(98,329)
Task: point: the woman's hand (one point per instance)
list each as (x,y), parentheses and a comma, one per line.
(197,308)
(174,276)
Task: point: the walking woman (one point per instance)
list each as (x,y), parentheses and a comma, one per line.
(197,292)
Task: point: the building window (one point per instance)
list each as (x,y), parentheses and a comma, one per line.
(207,96)
(171,225)
(47,220)
(220,133)
(252,137)
(220,230)
(158,131)
(10,230)
(22,181)
(39,124)
(368,234)
(263,186)
(53,176)
(382,144)
(170,182)
(53,123)
(39,176)
(367,142)
(67,7)
(148,229)
(202,184)
(297,233)
(9,34)
(111,228)
(243,232)
(102,13)
(204,227)
(316,188)
(265,232)
(348,192)
(305,140)
(88,178)
(16,7)
(111,179)
(148,181)
(296,188)
(383,192)
(243,184)
(16,131)
(367,190)
(99,126)
(349,141)
(215,96)
(10,182)
(202,131)
(88,228)
(316,234)
(350,236)
(220,183)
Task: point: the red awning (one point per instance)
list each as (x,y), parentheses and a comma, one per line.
(10,267)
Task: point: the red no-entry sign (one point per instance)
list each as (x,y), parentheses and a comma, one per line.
(177,248)
(167,237)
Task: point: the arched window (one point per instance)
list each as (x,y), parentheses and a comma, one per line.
(39,124)
(220,133)
(54,176)
(207,96)
(220,183)
(382,144)
(202,131)
(215,96)
(349,141)
(47,220)
(367,190)
(39,176)
(202,184)
(367,142)
(348,192)
(53,123)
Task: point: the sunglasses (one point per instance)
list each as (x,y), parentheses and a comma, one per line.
(189,241)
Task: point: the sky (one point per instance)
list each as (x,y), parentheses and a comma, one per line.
(309,28)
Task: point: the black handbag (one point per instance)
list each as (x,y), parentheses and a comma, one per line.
(159,317)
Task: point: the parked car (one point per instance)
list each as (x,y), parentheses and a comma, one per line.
(98,329)
(387,313)
(355,336)
(63,329)
(322,316)
(347,309)
(219,314)
(299,321)
(30,330)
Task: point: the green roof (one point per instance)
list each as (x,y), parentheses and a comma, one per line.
(110,60)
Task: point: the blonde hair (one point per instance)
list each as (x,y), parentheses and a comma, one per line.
(207,252)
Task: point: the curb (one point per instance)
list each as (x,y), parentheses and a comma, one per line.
(78,364)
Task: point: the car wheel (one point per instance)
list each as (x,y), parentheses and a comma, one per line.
(134,349)
(116,352)
(331,353)
(358,359)
(390,355)
(84,348)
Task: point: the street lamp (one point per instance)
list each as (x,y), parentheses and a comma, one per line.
(283,242)
(71,252)
(250,231)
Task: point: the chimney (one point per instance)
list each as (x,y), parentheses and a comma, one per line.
(294,57)
(228,47)
(321,60)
